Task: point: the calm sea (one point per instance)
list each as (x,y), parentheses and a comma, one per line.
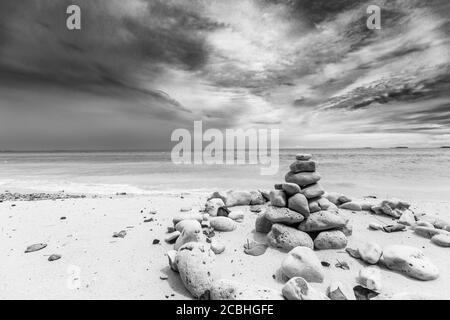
(417,174)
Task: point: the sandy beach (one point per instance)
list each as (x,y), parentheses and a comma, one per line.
(94,265)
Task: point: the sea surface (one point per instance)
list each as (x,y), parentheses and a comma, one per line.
(415,174)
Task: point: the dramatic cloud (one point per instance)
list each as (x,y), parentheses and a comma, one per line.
(140,68)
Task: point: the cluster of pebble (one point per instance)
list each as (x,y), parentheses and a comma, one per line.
(297,217)
(9,196)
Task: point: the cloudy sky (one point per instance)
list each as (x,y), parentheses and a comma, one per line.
(139,69)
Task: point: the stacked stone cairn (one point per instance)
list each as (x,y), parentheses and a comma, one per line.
(300,215)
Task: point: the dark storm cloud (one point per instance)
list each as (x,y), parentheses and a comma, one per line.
(303,65)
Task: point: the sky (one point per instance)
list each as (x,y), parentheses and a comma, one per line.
(139,69)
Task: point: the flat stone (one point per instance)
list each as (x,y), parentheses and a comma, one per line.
(302,179)
(303,166)
(429,232)
(410,261)
(304,156)
(375,226)
(313,191)
(322,221)
(283,215)
(303,262)
(287,238)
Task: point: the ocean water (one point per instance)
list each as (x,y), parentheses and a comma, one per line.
(415,174)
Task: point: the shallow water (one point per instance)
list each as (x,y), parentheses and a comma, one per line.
(416,174)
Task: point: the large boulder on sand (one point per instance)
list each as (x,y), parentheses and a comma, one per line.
(303,178)
(333,239)
(232,290)
(299,289)
(283,215)
(299,203)
(195,265)
(303,262)
(410,261)
(287,238)
(321,221)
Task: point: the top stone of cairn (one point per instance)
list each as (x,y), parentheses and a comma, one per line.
(304,157)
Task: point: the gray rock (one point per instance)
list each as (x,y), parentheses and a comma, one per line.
(263,225)
(370,252)
(353,206)
(217,247)
(429,232)
(278,198)
(232,290)
(340,291)
(192,232)
(334,239)
(298,288)
(375,226)
(238,198)
(172,237)
(303,166)
(213,205)
(313,191)
(223,224)
(407,218)
(283,215)
(236,215)
(287,238)
(423,223)
(333,197)
(304,157)
(186,223)
(321,221)
(442,240)
(195,263)
(172,255)
(344,199)
(299,203)
(256,198)
(265,194)
(347,229)
(370,278)
(187,216)
(313,205)
(303,262)
(325,204)
(290,189)
(303,178)
(410,261)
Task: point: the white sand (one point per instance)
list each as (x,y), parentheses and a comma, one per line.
(130,268)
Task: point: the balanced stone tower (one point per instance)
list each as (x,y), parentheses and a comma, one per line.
(299,214)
